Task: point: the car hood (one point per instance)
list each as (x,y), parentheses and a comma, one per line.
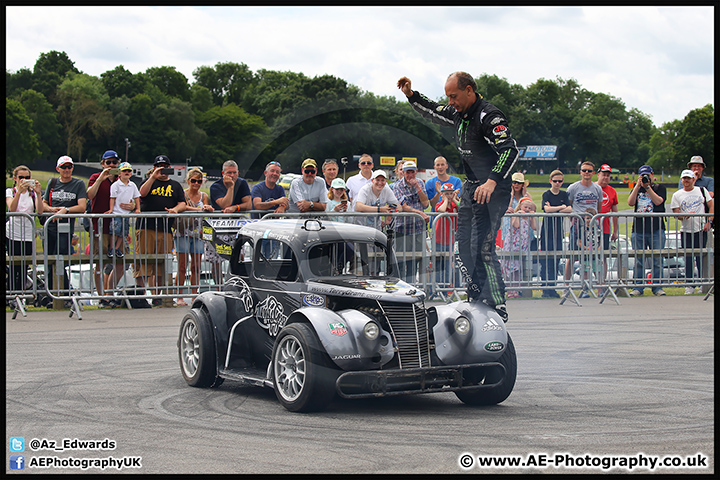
(376,288)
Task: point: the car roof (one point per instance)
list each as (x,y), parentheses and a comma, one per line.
(301,232)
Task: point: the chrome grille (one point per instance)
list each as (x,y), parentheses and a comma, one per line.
(408,323)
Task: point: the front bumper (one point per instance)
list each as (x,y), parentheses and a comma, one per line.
(380,383)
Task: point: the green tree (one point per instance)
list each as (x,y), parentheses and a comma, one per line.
(229,129)
(169,81)
(21,143)
(179,136)
(119,82)
(663,154)
(226,81)
(82,112)
(49,72)
(697,137)
(45,123)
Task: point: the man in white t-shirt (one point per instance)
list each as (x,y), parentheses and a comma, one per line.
(356,182)
(376,197)
(691,199)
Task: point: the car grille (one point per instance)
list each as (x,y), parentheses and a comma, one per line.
(408,323)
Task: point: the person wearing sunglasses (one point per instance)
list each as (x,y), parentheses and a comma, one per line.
(552,232)
(63,195)
(188,233)
(308,193)
(25,196)
(98,193)
(582,194)
(362,178)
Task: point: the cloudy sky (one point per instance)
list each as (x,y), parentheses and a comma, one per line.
(657,59)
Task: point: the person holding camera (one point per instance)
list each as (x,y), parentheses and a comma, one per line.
(647,232)
(153,234)
(25,196)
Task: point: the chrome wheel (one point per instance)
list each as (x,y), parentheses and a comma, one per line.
(290,364)
(189,349)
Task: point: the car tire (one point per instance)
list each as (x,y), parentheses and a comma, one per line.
(499,393)
(196,350)
(303,375)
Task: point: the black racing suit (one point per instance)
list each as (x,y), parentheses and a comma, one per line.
(488,152)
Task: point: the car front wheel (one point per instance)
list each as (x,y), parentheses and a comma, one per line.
(196,350)
(303,376)
(499,393)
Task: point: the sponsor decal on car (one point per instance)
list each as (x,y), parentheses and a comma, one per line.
(271,316)
(491,325)
(313,300)
(494,346)
(337,328)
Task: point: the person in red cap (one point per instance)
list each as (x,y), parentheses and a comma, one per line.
(609,204)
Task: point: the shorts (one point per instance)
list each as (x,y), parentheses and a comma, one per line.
(120,226)
(104,239)
(189,245)
(150,242)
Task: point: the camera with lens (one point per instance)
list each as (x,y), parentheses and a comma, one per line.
(645,178)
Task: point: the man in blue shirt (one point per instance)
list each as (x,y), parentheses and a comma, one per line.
(230,194)
(697,165)
(268,195)
(432,186)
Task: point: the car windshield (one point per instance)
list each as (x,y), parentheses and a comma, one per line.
(349,258)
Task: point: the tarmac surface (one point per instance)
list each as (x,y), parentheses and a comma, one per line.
(602,388)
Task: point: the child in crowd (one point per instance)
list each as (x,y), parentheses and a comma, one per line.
(124,198)
(518,240)
(445,236)
(338,199)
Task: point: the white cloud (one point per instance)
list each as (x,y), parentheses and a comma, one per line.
(657,59)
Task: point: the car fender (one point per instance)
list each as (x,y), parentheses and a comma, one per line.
(216,306)
(485,341)
(342,335)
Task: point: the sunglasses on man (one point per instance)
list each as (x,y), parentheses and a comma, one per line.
(66,166)
(310,171)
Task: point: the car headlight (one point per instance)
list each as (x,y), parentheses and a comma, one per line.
(462,325)
(371,330)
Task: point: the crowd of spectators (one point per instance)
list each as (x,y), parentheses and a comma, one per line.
(111,191)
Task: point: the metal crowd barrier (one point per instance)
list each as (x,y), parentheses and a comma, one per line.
(430,261)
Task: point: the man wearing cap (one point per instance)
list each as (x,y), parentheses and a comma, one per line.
(647,232)
(376,197)
(609,205)
(307,193)
(692,200)
(98,193)
(64,195)
(268,195)
(488,153)
(154,234)
(363,177)
(230,194)
(697,166)
(433,186)
(410,231)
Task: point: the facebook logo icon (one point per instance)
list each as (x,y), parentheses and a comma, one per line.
(17,462)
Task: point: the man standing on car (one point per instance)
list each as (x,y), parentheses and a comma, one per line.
(488,154)
(648,232)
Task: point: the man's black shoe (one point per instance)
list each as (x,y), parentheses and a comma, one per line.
(502,311)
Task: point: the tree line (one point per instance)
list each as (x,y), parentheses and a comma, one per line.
(231,112)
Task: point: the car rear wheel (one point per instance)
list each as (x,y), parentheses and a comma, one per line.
(499,393)
(303,376)
(196,350)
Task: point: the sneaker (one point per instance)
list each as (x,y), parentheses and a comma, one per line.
(659,293)
(157,302)
(584,294)
(502,311)
(105,304)
(119,254)
(636,293)
(110,253)
(689,290)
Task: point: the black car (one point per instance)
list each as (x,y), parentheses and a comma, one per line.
(313,309)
